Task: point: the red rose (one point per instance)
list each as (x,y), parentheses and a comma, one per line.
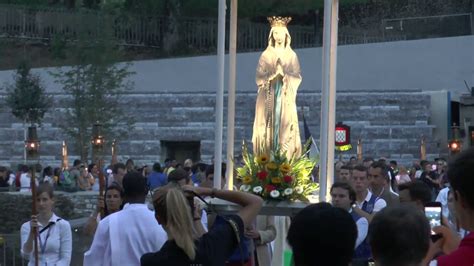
(270,188)
(262,175)
(287,179)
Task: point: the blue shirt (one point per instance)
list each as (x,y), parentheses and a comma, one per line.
(156,179)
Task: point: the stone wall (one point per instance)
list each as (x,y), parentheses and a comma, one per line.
(16,207)
(389,123)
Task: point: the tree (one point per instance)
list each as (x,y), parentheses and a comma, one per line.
(96,86)
(27,97)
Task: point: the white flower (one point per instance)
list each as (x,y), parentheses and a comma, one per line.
(275,193)
(288,191)
(245,188)
(299,190)
(257,189)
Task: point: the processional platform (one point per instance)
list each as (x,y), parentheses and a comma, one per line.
(270,207)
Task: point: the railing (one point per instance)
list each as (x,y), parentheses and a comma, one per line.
(191,34)
(10,250)
(438,26)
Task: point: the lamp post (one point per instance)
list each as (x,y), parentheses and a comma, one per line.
(455,144)
(98,142)
(32,145)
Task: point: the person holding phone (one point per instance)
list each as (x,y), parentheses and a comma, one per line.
(458,252)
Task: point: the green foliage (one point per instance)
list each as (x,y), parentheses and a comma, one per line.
(26,97)
(97,85)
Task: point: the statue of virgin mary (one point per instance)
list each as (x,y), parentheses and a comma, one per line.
(278,77)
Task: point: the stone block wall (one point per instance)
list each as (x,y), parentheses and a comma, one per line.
(389,123)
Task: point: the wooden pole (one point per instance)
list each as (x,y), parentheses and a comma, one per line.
(33,210)
(101,186)
(65,163)
(423,148)
(359,150)
(114,152)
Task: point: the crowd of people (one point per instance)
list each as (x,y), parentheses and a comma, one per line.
(376,214)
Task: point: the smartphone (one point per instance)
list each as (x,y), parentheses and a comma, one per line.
(434,167)
(433,212)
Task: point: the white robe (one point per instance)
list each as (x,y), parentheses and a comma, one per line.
(123,237)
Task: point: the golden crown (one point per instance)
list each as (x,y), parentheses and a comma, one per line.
(279,21)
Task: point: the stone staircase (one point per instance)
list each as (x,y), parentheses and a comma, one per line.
(389,123)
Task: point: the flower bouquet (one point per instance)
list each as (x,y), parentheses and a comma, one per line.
(274,176)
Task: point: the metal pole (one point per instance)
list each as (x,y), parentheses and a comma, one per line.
(231,94)
(328,96)
(219,94)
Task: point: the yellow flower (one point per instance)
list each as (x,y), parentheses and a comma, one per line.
(247,180)
(285,168)
(263,159)
(272,166)
(276,180)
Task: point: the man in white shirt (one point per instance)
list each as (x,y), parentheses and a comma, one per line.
(123,237)
(367,204)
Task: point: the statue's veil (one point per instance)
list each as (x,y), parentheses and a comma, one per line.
(271,41)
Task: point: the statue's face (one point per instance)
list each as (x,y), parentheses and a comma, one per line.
(279,35)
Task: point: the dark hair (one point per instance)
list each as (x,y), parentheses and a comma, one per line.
(322,235)
(178,175)
(117,187)
(368,159)
(134,185)
(3,169)
(399,235)
(210,170)
(360,168)
(350,190)
(90,166)
(383,169)
(460,171)
(23,168)
(394,162)
(76,162)
(57,171)
(45,187)
(418,190)
(346,167)
(130,161)
(117,166)
(353,157)
(47,171)
(157,167)
(423,163)
(201,167)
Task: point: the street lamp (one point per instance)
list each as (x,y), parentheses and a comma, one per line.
(97,137)
(32,143)
(455,143)
(343,137)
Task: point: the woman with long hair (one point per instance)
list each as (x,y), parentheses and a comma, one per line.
(54,233)
(111,202)
(173,210)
